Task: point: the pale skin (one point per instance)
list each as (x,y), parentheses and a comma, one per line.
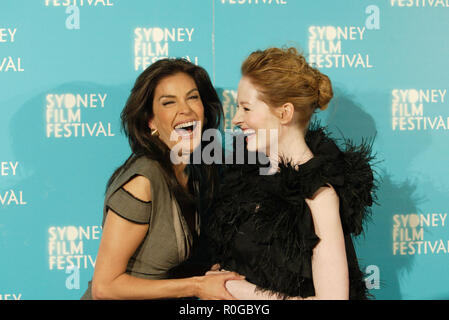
(329,264)
(176,100)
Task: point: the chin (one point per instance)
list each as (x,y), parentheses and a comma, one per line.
(251,143)
(251,148)
(188,146)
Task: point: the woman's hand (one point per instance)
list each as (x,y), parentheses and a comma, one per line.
(215,267)
(212,286)
(241,289)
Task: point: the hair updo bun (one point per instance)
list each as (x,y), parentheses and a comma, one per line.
(325,92)
(283,75)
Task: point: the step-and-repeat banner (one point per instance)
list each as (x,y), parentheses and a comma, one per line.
(66,70)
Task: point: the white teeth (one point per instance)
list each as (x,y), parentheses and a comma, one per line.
(249,131)
(185,124)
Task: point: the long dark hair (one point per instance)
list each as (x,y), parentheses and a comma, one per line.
(139,110)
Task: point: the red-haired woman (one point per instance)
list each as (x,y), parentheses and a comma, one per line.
(289,233)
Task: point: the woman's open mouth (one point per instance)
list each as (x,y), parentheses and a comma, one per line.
(185,130)
(249,133)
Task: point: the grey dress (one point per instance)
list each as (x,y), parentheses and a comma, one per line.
(169,240)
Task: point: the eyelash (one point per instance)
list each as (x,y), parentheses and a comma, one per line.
(195,97)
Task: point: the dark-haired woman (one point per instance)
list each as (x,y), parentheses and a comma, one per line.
(290,233)
(150,217)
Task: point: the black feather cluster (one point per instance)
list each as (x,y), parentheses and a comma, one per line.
(261,226)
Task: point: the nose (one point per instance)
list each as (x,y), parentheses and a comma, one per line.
(237,120)
(184,107)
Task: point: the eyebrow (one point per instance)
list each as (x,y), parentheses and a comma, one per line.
(171,96)
(243,102)
(194,89)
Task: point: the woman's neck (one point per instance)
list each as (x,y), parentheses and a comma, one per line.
(292,147)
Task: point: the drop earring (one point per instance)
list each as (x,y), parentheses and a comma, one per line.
(154,132)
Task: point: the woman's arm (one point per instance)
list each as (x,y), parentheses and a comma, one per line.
(329,264)
(119,241)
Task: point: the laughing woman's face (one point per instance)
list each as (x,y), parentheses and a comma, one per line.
(178,112)
(254,117)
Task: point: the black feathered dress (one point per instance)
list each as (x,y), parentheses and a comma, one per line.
(261,226)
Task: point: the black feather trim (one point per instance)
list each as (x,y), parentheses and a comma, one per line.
(262,227)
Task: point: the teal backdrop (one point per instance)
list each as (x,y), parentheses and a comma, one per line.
(66,70)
